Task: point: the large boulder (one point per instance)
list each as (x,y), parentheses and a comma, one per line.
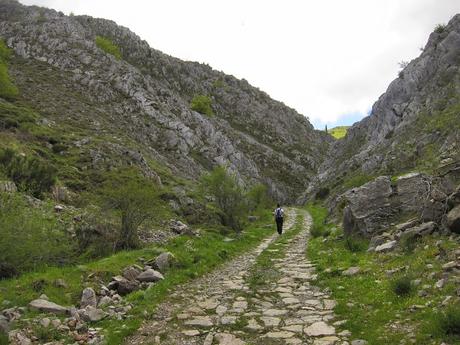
(123,286)
(88,298)
(368,207)
(92,314)
(412,190)
(453,219)
(47,307)
(420,230)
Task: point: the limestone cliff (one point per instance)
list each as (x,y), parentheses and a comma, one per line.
(136,110)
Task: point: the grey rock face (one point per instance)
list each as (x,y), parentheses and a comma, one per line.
(397,136)
(146,95)
(369,207)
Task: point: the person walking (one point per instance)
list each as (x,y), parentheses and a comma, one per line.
(279,215)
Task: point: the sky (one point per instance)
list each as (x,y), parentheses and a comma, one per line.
(330,60)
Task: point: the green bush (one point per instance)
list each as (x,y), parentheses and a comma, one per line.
(258,198)
(30,237)
(402,285)
(202,104)
(355,244)
(135,201)
(449,321)
(29,173)
(228,197)
(440,28)
(12,116)
(108,46)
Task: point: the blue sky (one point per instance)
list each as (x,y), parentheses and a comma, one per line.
(343,120)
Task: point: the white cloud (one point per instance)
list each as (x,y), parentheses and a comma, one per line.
(324,58)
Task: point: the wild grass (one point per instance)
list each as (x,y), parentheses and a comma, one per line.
(368,301)
(338,132)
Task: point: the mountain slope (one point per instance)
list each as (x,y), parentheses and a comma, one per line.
(136,110)
(415,124)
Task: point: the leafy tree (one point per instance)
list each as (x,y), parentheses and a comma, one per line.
(258,197)
(135,203)
(202,104)
(228,197)
(108,46)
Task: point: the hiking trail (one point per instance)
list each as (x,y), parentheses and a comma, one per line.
(223,308)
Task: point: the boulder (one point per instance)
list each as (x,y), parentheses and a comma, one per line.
(92,314)
(4,325)
(123,285)
(420,230)
(106,300)
(131,273)
(47,307)
(412,190)
(177,226)
(386,247)
(453,219)
(368,207)
(88,298)
(164,261)
(8,187)
(150,275)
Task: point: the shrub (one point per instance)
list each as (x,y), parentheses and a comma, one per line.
(108,46)
(258,197)
(402,285)
(440,28)
(135,203)
(322,193)
(449,321)
(228,197)
(355,244)
(30,237)
(29,173)
(202,104)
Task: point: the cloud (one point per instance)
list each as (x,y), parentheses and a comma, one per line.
(328,59)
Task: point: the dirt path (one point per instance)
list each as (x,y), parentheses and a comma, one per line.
(222,308)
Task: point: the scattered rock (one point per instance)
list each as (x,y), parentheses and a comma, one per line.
(386,247)
(47,307)
(351,271)
(164,261)
(131,273)
(440,283)
(200,321)
(228,339)
(319,329)
(45,322)
(150,275)
(453,219)
(92,314)
(105,300)
(88,298)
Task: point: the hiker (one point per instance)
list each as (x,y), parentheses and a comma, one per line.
(279,214)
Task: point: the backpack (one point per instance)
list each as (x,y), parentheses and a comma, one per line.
(278,213)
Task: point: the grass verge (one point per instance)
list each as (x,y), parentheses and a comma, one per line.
(196,256)
(379,305)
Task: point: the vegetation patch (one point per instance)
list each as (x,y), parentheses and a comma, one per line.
(108,46)
(7,89)
(202,104)
(379,305)
(338,132)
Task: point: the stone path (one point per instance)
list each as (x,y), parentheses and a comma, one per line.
(221,308)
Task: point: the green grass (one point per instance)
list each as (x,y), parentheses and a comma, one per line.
(338,132)
(376,313)
(319,227)
(108,46)
(196,256)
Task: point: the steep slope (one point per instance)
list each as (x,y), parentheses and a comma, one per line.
(415,124)
(136,110)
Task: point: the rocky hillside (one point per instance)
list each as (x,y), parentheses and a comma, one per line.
(133,109)
(414,125)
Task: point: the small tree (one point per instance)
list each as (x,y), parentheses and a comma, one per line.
(258,197)
(135,202)
(228,197)
(108,46)
(202,104)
